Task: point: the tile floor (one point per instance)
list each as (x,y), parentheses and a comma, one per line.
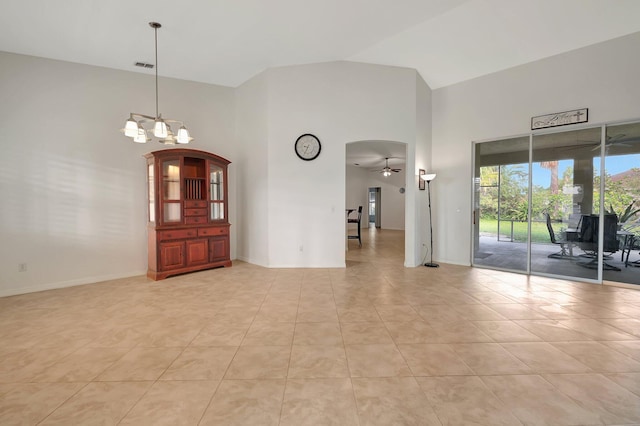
(372,344)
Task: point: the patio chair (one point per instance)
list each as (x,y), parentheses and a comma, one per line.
(633,243)
(589,239)
(566,247)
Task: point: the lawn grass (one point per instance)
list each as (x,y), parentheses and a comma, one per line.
(539,232)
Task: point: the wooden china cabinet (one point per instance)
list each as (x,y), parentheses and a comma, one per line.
(188,212)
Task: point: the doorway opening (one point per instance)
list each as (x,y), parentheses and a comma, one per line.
(374,211)
(374,167)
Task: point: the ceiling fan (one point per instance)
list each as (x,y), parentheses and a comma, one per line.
(614,140)
(386,170)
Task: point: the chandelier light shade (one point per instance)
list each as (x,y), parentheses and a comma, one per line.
(131,127)
(183,135)
(160,129)
(134,126)
(141,136)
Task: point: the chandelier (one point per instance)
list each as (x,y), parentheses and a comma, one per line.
(134,129)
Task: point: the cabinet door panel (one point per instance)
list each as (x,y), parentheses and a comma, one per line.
(197,252)
(218,249)
(171,255)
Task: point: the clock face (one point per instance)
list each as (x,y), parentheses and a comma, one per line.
(308,147)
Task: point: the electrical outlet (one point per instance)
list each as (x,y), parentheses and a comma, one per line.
(22,267)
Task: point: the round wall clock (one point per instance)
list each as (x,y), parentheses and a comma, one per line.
(308,147)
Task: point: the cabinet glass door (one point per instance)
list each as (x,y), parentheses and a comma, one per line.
(171,190)
(216,192)
(152,194)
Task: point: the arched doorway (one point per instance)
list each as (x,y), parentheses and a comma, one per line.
(376,178)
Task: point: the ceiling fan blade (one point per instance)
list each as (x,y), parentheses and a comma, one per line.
(616,137)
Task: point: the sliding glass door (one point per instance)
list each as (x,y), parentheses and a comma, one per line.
(565,178)
(501,204)
(564,204)
(622,201)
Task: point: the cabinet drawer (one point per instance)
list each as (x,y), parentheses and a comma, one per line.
(204,232)
(195,212)
(195,220)
(177,234)
(193,204)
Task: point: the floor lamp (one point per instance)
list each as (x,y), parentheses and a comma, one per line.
(428,178)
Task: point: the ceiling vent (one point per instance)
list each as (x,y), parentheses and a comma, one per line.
(143,65)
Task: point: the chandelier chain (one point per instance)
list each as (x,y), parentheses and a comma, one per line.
(155,29)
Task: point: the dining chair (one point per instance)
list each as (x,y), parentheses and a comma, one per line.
(357,220)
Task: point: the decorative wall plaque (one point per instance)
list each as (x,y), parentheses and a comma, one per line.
(560,119)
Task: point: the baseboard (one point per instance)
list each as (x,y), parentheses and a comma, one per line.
(71,283)
(250,261)
(453,262)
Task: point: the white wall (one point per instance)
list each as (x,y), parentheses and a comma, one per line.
(423,160)
(339,102)
(604,78)
(72,187)
(253,189)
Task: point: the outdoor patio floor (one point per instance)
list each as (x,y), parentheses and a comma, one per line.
(513,256)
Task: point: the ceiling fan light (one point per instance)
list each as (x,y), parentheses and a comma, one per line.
(386,173)
(131,127)
(160,129)
(183,135)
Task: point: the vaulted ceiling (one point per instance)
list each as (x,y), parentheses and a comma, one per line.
(227,42)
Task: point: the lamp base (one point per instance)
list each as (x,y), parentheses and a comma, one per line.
(431,265)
